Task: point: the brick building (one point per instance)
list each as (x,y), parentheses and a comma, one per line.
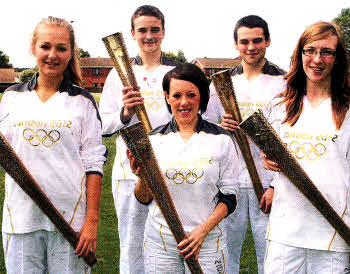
(212,65)
(94,72)
(8,77)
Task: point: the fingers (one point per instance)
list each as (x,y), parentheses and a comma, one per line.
(85,246)
(126,90)
(192,247)
(269,165)
(267,208)
(131,96)
(79,247)
(134,168)
(269,199)
(128,154)
(227,116)
(228,123)
(266,200)
(262,202)
(137,171)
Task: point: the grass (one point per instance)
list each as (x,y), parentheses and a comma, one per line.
(108,241)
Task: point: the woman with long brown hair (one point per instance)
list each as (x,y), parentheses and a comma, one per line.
(312,118)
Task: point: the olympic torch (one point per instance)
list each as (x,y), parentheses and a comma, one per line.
(137,141)
(224,88)
(118,52)
(14,166)
(265,137)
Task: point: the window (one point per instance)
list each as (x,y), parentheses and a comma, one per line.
(102,84)
(96,71)
(95,85)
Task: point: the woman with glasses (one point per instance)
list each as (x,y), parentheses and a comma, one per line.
(313,120)
(200,165)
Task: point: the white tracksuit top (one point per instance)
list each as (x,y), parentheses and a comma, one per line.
(251,96)
(323,152)
(195,171)
(59,142)
(111,105)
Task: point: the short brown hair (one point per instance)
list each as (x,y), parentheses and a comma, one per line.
(147,10)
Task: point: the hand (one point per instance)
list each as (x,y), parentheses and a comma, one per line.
(87,238)
(228,123)
(193,242)
(266,200)
(268,164)
(131,98)
(134,168)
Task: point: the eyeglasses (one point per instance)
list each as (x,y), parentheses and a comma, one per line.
(326,53)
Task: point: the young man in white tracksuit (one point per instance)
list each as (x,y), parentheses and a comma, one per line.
(116,106)
(256,82)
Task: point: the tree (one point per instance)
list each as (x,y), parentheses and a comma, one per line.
(180,57)
(83,53)
(26,75)
(343,21)
(4,60)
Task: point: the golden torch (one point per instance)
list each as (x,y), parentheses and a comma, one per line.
(266,138)
(117,50)
(14,166)
(137,141)
(224,88)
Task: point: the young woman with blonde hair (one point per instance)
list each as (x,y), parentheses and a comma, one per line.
(55,128)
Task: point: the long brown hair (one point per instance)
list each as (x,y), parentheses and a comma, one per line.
(72,72)
(296,78)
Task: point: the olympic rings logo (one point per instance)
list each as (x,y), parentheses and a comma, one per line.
(41,137)
(154,104)
(307,150)
(184,175)
(246,111)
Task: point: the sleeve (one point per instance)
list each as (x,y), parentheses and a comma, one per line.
(282,85)
(275,180)
(229,167)
(274,115)
(5,117)
(229,200)
(92,152)
(348,154)
(214,110)
(111,104)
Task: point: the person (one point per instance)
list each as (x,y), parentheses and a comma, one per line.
(54,127)
(200,168)
(312,118)
(117,109)
(256,81)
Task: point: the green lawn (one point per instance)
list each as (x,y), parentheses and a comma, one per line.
(108,242)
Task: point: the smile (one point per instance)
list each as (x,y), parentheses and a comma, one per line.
(317,69)
(149,42)
(51,63)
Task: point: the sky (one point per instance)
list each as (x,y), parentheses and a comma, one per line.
(200,28)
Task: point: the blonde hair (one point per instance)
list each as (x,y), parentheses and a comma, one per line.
(72,72)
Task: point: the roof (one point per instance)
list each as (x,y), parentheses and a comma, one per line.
(7,75)
(218,62)
(99,62)
(96,62)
